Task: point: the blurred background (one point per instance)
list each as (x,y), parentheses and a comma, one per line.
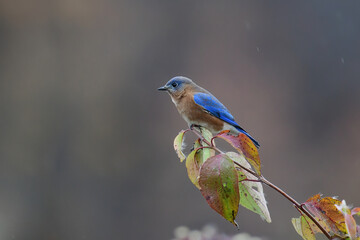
(86,139)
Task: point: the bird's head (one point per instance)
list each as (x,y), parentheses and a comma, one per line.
(177,85)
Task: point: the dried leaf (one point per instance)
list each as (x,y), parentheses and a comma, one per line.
(219,186)
(251,193)
(326,212)
(244,145)
(178,145)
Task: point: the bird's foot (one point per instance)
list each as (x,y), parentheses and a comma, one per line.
(192,126)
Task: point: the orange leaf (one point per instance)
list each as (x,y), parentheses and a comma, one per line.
(325,210)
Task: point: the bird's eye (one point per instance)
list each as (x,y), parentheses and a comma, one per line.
(174,84)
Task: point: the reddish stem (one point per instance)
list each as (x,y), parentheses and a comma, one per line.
(250,180)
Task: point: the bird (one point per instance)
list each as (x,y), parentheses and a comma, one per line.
(199,107)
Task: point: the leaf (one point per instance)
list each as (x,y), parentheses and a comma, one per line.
(251,193)
(349,220)
(306,228)
(303,228)
(198,156)
(193,168)
(206,134)
(355,211)
(219,186)
(178,145)
(195,160)
(244,145)
(350,226)
(326,212)
(204,153)
(297,225)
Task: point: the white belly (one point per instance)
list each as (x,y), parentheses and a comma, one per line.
(230,127)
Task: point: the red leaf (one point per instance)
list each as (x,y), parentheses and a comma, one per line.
(350,225)
(355,211)
(244,145)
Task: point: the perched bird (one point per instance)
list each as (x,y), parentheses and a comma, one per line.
(200,108)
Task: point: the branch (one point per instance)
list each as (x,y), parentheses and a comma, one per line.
(261,179)
(297,205)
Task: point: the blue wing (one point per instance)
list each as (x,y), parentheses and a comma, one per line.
(217,109)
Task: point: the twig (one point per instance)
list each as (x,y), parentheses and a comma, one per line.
(204,140)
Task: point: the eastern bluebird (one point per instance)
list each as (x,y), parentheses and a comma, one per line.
(199,107)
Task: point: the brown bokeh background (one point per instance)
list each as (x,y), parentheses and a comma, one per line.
(86,140)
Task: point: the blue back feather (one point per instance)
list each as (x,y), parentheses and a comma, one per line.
(217,109)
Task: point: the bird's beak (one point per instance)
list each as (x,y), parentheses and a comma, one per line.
(163,88)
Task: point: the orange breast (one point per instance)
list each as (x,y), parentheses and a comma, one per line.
(195,114)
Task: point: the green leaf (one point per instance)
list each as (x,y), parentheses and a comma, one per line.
(178,145)
(205,133)
(244,145)
(195,160)
(204,153)
(219,186)
(193,168)
(302,227)
(251,193)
